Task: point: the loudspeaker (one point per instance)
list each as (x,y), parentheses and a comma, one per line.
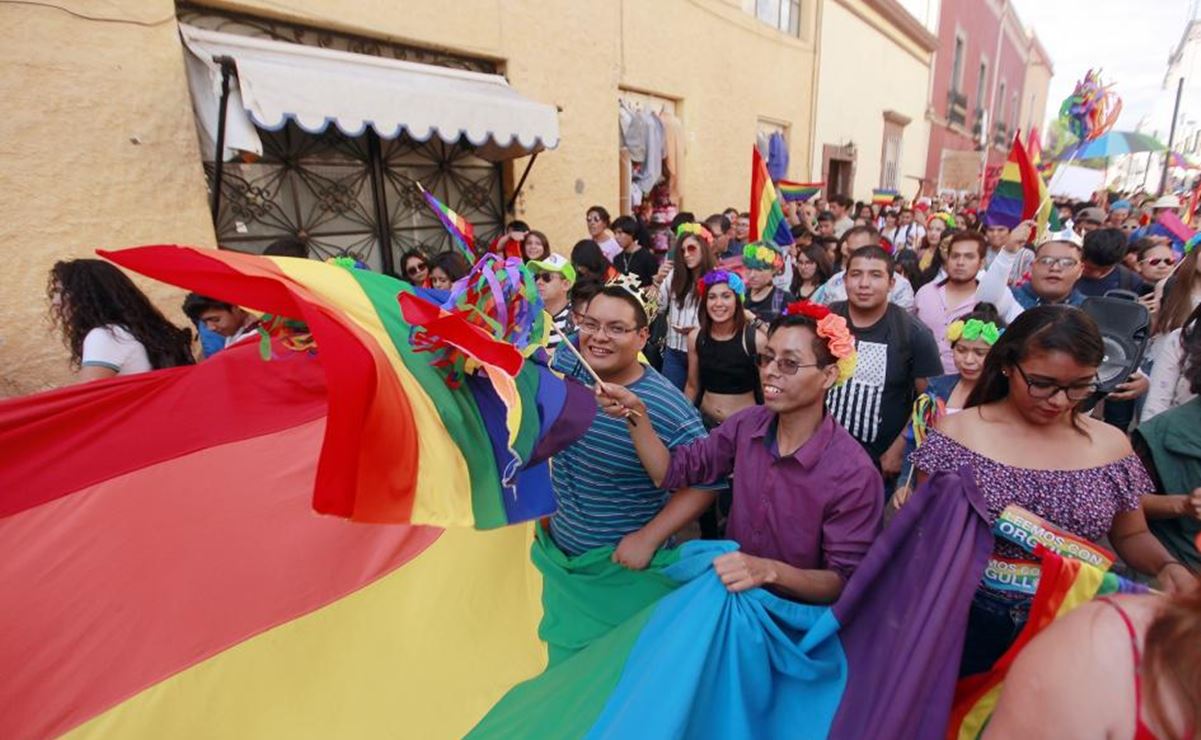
(1125,329)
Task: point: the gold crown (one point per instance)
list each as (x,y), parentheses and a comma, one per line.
(631,284)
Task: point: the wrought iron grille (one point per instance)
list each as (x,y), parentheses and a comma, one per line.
(322,187)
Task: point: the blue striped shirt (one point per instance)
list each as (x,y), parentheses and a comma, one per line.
(602,490)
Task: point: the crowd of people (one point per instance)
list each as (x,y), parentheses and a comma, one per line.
(791,398)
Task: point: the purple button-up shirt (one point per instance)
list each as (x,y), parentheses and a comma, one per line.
(819,508)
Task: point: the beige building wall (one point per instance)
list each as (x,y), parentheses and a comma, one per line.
(1036,89)
(72,179)
(97,149)
(867,67)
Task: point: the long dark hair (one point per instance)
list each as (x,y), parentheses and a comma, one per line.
(683,280)
(1190,341)
(936,261)
(587,254)
(906,264)
(824,270)
(1177,303)
(93,293)
(1039,329)
(452,263)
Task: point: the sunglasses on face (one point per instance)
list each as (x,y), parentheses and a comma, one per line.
(1158,261)
(691,249)
(414,269)
(544,277)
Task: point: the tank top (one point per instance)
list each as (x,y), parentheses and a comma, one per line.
(1141,731)
(728,365)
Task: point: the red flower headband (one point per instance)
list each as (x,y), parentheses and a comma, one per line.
(815,311)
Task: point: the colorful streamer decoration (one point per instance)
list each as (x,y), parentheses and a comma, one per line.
(1091,109)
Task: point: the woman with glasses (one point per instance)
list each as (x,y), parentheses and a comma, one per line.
(1024,436)
(812,269)
(416,269)
(678,291)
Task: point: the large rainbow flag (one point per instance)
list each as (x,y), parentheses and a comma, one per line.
(767,216)
(166,566)
(1020,193)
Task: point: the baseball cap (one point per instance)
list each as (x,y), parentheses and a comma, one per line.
(1091,214)
(1167,201)
(554,263)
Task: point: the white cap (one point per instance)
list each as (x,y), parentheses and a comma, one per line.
(1167,201)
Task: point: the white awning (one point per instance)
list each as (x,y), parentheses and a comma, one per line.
(279,81)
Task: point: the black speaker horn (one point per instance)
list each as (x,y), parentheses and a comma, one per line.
(1125,329)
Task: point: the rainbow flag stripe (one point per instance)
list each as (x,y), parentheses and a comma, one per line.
(798,192)
(767,216)
(883,197)
(462,233)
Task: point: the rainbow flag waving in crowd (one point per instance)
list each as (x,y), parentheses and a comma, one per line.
(798,192)
(883,196)
(462,233)
(767,216)
(1020,193)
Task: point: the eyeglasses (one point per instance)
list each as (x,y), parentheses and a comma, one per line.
(1156,262)
(544,277)
(1047,389)
(1063,263)
(593,219)
(414,269)
(691,249)
(592,327)
(786,366)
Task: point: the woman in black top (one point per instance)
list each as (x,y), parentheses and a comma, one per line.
(722,376)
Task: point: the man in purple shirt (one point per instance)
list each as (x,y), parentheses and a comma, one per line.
(807,501)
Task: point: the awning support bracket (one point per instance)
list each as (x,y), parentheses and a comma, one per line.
(520,184)
(227,65)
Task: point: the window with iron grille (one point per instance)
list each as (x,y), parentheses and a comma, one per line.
(343,194)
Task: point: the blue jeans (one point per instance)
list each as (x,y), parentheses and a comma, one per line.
(675,366)
(994,622)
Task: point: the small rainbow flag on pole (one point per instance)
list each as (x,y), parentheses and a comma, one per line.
(798,192)
(767,217)
(1020,193)
(461,232)
(883,196)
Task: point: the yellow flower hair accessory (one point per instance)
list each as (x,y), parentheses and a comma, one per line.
(696,230)
(762,256)
(973,329)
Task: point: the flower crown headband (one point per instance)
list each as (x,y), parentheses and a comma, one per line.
(943,216)
(832,328)
(696,230)
(713,277)
(761,256)
(973,329)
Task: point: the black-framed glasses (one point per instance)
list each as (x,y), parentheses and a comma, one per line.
(1048,388)
(786,366)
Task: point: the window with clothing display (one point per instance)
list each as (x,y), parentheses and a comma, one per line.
(652,162)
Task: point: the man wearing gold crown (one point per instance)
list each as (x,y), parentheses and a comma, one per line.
(604,495)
